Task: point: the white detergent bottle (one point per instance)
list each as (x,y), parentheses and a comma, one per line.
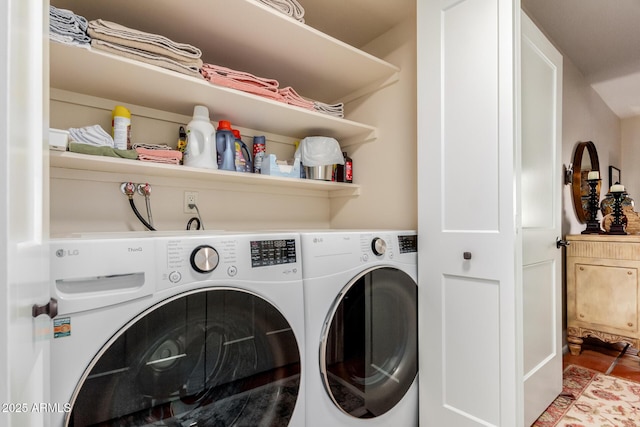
(201,139)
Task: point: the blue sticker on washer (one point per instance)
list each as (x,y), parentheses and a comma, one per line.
(62,327)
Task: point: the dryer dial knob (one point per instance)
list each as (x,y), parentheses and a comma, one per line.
(378,246)
(204,259)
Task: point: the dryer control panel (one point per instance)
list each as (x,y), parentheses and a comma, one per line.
(408,243)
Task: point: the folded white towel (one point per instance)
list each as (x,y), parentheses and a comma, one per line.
(336,110)
(289,7)
(92,135)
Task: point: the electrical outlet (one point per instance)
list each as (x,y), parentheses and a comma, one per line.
(190,198)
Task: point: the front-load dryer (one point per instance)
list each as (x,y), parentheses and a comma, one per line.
(361,328)
(184,330)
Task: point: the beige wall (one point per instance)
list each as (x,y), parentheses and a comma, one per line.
(586,118)
(387,166)
(630,172)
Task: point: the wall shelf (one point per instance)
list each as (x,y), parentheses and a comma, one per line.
(249,36)
(108,76)
(92,164)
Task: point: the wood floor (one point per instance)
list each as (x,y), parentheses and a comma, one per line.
(611,359)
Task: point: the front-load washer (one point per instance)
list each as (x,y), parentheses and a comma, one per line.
(361,328)
(178,330)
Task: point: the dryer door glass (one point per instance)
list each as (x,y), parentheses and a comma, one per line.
(369,352)
(211,357)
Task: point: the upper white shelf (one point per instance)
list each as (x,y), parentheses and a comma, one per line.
(249,36)
(103,75)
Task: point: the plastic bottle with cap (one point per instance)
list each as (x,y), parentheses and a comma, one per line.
(226,146)
(200,151)
(243,157)
(121,128)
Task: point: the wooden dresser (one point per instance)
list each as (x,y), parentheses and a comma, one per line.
(603,293)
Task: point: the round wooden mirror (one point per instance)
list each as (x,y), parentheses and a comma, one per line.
(585,160)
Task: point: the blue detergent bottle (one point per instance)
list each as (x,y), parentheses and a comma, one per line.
(243,157)
(226,146)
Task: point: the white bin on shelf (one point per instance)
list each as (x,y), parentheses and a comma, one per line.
(274,167)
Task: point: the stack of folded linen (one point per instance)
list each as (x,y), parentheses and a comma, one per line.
(91,135)
(291,97)
(96,141)
(146,47)
(289,7)
(336,110)
(265,87)
(157,153)
(68,28)
(241,80)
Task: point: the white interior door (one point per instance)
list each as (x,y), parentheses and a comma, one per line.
(541,120)
(469,284)
(24,269)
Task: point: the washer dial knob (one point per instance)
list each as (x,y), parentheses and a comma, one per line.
(378,246)
(204,259)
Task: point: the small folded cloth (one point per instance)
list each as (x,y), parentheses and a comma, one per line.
(146,47)
(67,27)
(91,135)
(336,110)
(291,97)
(78,147)
(289,7)
(157,153)
(241,80)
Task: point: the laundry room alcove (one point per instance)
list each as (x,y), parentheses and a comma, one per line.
(86,84)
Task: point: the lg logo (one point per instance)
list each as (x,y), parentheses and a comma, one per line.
(60,253)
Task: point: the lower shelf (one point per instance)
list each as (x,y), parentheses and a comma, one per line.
(82,162)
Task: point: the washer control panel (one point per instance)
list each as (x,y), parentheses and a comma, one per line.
(269,257)
(272,252)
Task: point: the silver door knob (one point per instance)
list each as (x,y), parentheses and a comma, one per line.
(562,243)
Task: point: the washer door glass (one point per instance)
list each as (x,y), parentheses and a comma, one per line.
(211,357)
(369,351)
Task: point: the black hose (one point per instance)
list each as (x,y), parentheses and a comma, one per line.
(142,220)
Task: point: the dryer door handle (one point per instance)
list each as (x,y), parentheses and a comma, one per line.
(50,309)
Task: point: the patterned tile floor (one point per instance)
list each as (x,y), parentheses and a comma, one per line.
(611,359)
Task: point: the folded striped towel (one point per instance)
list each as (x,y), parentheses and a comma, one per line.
(159,156)
(67,27)
(336,110)
(289,7)
(151,146)
(140,40)
(291,97)
(241,80)
(191,69)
